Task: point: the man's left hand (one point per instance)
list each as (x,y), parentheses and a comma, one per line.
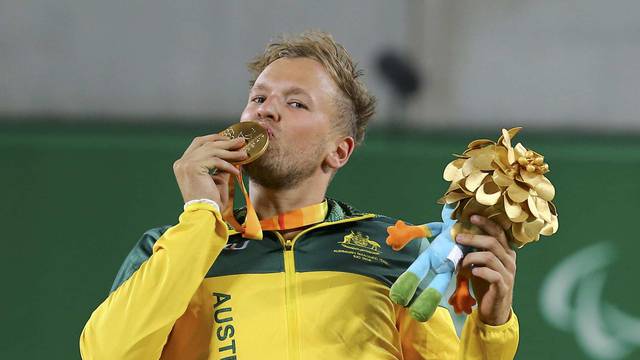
(493,269)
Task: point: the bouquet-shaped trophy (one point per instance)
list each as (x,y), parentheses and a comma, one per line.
(494,179)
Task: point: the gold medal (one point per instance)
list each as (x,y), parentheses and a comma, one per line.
(255,135)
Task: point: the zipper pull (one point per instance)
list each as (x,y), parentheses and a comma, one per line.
(288,244)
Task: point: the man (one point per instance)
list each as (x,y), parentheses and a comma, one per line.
(315,290)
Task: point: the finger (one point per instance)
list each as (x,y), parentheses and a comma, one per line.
(216,141)
(231,156)
(491,228)
(237,143)
(484,259)
(221,178)
(221,165)
(198,141)
(490,243)
(490,276)
(219,149)
(228,144)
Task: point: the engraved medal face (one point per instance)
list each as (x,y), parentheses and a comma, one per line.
(255,135)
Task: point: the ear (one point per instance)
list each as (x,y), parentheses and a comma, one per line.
(339,155)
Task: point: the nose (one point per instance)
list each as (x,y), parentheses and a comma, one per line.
(268,110)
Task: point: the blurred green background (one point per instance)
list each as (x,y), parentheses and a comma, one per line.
(77,197)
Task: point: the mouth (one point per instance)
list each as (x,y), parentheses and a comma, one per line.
(268,129)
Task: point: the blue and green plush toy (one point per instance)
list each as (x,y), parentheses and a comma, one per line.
(442,257)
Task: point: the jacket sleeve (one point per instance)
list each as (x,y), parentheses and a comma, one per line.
(137,317)
(482,341)
(437,338)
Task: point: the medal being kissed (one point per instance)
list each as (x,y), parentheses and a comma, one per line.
(256,137)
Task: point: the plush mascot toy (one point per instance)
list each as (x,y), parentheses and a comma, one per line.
(442,256)
(492,179)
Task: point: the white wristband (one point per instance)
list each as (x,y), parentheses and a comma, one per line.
(203,201)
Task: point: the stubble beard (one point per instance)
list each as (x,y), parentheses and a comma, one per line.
(278,169)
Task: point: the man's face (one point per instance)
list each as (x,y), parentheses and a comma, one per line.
(294,99)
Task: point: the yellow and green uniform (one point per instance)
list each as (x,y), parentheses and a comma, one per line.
(198,290)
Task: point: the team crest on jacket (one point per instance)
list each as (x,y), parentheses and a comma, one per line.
(358,241)
(361,247)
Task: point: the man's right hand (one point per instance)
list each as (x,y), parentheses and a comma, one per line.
(205,153)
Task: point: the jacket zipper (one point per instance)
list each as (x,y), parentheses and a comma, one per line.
(291,290)
(291,306)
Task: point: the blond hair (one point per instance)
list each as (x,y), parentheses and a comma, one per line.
(356,106)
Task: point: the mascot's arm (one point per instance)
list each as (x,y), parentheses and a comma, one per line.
(401,234)
(437,339)
(136,320)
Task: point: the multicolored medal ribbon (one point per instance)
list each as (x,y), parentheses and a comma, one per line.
(257,141)
(252,227)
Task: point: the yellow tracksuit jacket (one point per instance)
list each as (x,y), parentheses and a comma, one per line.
(197,290)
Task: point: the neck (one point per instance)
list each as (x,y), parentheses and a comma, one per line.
(271,202)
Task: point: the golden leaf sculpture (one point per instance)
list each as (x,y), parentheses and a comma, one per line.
(504,183)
